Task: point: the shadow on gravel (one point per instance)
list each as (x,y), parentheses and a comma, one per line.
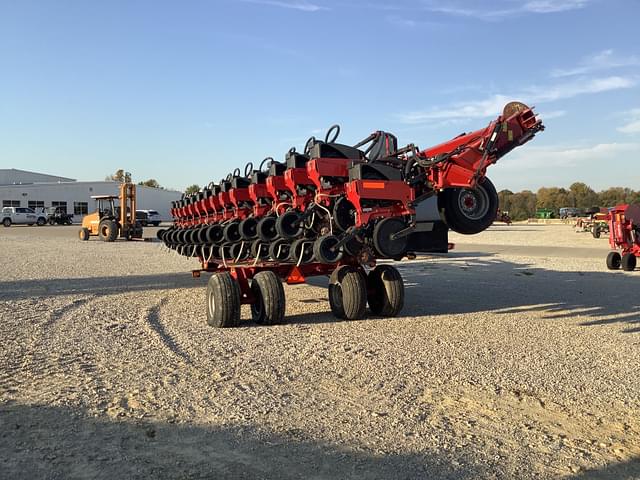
(60,442)
(25,289)
(628,470)
(475,283)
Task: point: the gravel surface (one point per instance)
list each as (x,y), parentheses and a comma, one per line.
(506,362)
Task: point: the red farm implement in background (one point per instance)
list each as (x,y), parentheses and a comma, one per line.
(334,209)
(624,237)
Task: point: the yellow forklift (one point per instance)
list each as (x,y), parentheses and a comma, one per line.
(115,216)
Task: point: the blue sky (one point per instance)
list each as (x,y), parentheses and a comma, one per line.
(185,91)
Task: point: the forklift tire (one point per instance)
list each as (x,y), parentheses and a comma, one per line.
(223,301)
(613,261)
(385,291)
(84,234)
(108,231)
(269,305)
(348,293)
(628,262)
(595,231)
(469,211)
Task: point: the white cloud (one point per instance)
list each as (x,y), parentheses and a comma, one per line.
(293,4)
(533,95)
(604,60)
(553,114)
(633,123)
(507,10)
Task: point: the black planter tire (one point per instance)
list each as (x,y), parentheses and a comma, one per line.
(385,291)
(614,261)
(259,250)
(214,234)
(469,211)
(279,250)
(322,249)
(628,262)
(269,305)
(108,231)
(348,293)
(384,245)
(223,301)
(248,229)
(266,229)
(231,232)
(344,214)
(288,225)
(301,251)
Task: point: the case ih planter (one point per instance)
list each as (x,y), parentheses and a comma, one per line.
(624,235)
(334,208)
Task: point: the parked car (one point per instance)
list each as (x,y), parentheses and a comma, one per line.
(566,212)
(59,215)
(148,217)
(22,216)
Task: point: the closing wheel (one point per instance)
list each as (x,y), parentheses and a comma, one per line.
(628,262)
(214,234)
(248,228)
(324,249)
(108,230)
(223,301)
(301,251)
(239,251)
(344,214)
(385,291)
(84,234)
(231,232)
(348,293)
(289,225)
(266,229)
(279,250)
(469,211)
(613,261)
(382,241)
(269,305)
(259,250)
(161,233)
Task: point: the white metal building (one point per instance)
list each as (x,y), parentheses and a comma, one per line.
(19,188)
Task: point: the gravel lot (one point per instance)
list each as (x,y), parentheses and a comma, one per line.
(516,356)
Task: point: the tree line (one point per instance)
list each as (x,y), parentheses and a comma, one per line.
(524,204)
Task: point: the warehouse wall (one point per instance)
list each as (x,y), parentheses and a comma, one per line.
(75,192)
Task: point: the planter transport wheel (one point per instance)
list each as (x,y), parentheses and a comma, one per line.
(382,241)
(613,261)
(288,225)
(279,250)
(348,293)
(266,229)
(323,249)
(628,262)
(84,234)
(301,251)
(469,211)
(269,305)
(223,301)
(385,291)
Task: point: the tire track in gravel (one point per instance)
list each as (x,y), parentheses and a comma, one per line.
(152,318)
(49,375)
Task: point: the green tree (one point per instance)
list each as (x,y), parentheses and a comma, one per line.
(523,205)
(150,183)
(584,195)
(120,176)
(192,189)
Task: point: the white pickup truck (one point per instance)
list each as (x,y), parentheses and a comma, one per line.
(21,216)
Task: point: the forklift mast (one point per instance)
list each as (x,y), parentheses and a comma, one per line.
(127,205)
